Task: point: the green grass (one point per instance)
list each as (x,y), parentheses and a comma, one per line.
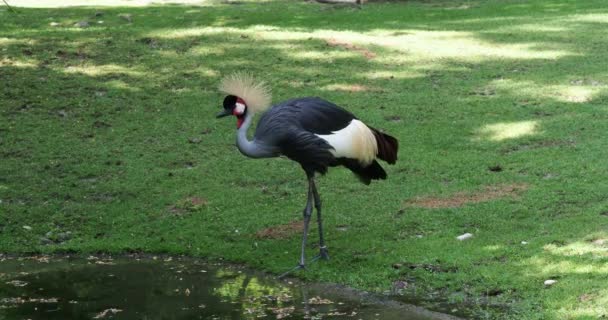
(108,131)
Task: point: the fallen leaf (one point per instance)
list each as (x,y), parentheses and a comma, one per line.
(319,300)
(104,313)
(283,312)
(17,283)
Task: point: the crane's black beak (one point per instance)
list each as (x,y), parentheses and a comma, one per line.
(223,113)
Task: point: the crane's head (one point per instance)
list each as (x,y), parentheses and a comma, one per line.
(241,87)
(235,106)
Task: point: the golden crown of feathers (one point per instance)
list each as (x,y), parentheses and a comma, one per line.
(255,93)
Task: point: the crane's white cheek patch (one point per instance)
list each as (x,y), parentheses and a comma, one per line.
(239,109)
(355,141)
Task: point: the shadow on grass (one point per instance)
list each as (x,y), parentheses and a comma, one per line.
(106,127)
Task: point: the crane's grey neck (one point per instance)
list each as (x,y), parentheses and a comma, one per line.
(252,149)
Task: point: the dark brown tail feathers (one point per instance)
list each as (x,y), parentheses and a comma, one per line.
(373,171)
(387,146)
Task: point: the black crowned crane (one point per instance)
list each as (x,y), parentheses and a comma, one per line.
(311,131)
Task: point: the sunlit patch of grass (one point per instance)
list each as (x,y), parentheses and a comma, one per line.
(348,87)
(319,55)
(595,246)
(585,306)
(121,85)
(4,42)
(394,74)
(22,63)
(508,130)
(425,45)
(590,17)
(207,72)
(545,267)
(576,93)
(98,3)
(532,27)
(98,70)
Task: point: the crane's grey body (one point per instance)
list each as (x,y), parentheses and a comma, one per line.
(291,129)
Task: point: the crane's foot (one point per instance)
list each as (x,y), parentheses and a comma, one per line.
(301,266)
(323,253)
(288,272)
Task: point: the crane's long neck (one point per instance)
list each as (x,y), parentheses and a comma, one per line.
(252,149)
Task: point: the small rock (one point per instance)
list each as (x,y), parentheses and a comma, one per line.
(45,241)
(100,22)
(550,282)
(62,113)
(195,140)
(54,24)
(399,285)
(82,24)
(397,265)
(524,242)
(64,236)
(465,236)
(126,16)
(28,228)
(99,13)
(342,228)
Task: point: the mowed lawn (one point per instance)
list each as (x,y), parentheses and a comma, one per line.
(109,143)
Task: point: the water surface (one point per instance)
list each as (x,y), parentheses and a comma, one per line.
(171,288)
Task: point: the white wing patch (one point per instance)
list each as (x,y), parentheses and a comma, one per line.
(355,141)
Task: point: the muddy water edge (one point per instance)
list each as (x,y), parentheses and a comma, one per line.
(101,287)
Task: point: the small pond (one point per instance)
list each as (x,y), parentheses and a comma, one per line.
(174,288)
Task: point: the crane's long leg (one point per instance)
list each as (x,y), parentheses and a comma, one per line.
(307,214)
(323,253)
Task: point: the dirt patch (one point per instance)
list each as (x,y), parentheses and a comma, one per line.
(349,46)
(350,88)
(281,231)
(459,199)
(188,205)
